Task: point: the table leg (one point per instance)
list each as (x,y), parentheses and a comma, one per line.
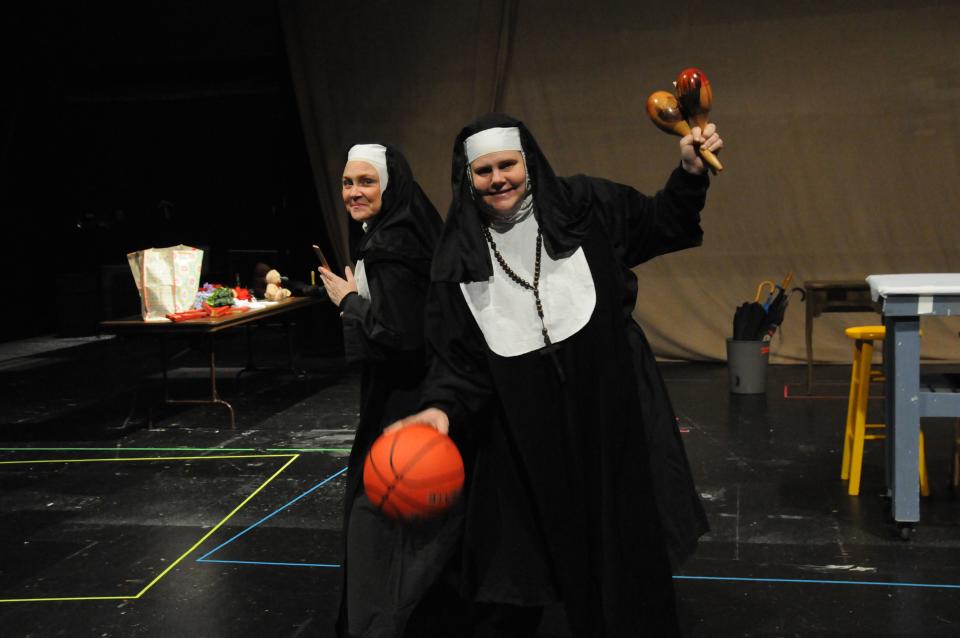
(163,358)
(902,409)
(251,365)
(214,395)
(888,403)
(808,337)
(290,350)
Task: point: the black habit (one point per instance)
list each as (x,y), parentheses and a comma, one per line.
(579,490)
(385,335)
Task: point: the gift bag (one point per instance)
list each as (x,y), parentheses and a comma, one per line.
(167,279)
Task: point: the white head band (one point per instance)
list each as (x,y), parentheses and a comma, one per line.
(373,154)
(492,140)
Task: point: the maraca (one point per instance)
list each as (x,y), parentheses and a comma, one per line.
(694,94)
(664,110)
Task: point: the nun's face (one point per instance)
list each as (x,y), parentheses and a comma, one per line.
(361,190)
(500,179)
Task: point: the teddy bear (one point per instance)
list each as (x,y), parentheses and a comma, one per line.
(275,291)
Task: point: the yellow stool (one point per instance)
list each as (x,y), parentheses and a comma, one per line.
(857,429)
(956,454)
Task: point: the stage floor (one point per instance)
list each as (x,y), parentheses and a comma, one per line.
(121,519)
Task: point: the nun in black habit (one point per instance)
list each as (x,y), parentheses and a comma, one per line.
(579,491)
(382,305)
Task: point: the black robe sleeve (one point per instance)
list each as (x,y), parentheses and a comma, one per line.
(643,227)
(640,228)
(459,381)
(392,322)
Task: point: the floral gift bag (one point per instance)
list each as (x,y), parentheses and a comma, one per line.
(167,279)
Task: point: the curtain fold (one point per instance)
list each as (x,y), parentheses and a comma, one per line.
(403,73)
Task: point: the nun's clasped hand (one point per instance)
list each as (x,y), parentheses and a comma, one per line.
(707,139)
(337,287)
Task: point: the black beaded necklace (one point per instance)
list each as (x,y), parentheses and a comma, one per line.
(534,287)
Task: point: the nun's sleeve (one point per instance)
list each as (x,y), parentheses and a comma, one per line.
(643,227)
(391,321)
(459,381)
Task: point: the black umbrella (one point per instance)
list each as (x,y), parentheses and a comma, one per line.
(758,321)
(777,309)
(748,321)
(750,318)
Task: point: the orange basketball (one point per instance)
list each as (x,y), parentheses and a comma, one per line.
(414,472)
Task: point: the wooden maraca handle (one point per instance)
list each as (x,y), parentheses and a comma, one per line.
(664,111)
(710,159)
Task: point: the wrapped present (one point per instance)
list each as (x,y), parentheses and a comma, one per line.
(167,279)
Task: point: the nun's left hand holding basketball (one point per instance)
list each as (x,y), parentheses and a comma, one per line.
(708,139)
(337,287)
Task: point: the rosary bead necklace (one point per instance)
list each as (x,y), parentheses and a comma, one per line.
(534,287)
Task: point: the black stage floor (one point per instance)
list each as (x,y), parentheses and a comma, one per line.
(121,519)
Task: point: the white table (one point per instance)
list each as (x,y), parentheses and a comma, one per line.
(906,298)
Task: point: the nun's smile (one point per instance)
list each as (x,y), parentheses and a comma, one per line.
(361,190)
(500,180)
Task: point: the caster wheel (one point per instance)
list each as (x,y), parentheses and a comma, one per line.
(906,531)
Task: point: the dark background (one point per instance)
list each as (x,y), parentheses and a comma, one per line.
(145,124)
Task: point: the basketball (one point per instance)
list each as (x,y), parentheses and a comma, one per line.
(413,472)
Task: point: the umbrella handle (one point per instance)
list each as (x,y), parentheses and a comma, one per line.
(760,288)
(787,281)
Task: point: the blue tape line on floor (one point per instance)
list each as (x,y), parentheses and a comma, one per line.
(818,581)
(205,559)
(272,514)
(263,562)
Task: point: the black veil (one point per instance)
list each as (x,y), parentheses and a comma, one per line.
(462,254)
(407,226)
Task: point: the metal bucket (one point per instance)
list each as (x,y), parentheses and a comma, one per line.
(747,363)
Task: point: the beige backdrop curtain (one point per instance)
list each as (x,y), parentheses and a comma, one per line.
(842,124)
